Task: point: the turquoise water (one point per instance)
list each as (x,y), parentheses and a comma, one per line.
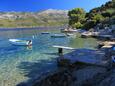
(23,64)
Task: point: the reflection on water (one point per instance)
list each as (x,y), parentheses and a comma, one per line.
(29,47)
(22,63)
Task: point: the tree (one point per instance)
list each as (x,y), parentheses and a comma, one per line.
(104,15)
(78,25)
(89,24)
(76,17)
(98,18)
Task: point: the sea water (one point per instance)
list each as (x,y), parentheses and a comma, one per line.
(23,64)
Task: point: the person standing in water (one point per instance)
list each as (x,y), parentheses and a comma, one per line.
(30,42)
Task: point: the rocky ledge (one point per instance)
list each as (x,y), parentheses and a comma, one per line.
(81,75)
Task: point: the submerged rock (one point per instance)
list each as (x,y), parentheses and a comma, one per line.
(63,78)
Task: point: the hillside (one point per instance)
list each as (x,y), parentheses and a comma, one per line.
(48,17)
(106,10)
(103,16)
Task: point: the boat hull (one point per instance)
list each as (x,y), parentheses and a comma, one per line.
(58,35)
(45,33)
(20,42)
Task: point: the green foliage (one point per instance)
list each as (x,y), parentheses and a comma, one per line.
(76,17)
(104,14)
(78,25)
(89,24)
(98,18)
(108,13)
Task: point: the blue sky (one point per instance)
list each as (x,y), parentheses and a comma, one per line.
(38,5)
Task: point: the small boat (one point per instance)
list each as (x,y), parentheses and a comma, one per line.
(45,32)
(86,34)
(69,30)
(58,35)
(20,42)
(70,34)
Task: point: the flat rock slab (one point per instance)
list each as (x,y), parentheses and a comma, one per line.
(87,56)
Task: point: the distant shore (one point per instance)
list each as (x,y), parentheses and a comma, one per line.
(16,28)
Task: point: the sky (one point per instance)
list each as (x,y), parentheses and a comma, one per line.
(39,5)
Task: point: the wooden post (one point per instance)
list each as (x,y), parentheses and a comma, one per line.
(60,51)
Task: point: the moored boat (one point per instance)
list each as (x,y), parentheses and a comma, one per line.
(45,32)
(70,34)
(86,34)
(69,30)
(20,42)
(58,35)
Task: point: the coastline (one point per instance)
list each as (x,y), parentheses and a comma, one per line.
(27,28)
(79,76)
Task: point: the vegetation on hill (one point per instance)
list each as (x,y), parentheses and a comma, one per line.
(105,15)
(33,19)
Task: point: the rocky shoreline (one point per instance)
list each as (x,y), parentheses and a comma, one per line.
(80,75)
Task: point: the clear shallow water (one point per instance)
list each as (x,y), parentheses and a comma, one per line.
(19,63)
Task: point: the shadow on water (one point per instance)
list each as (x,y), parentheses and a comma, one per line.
(34,70)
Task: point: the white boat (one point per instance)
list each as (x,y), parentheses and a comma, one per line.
(20,42)
(45,32)
(69,30)
(86,34)
(58,35)
(70,34)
